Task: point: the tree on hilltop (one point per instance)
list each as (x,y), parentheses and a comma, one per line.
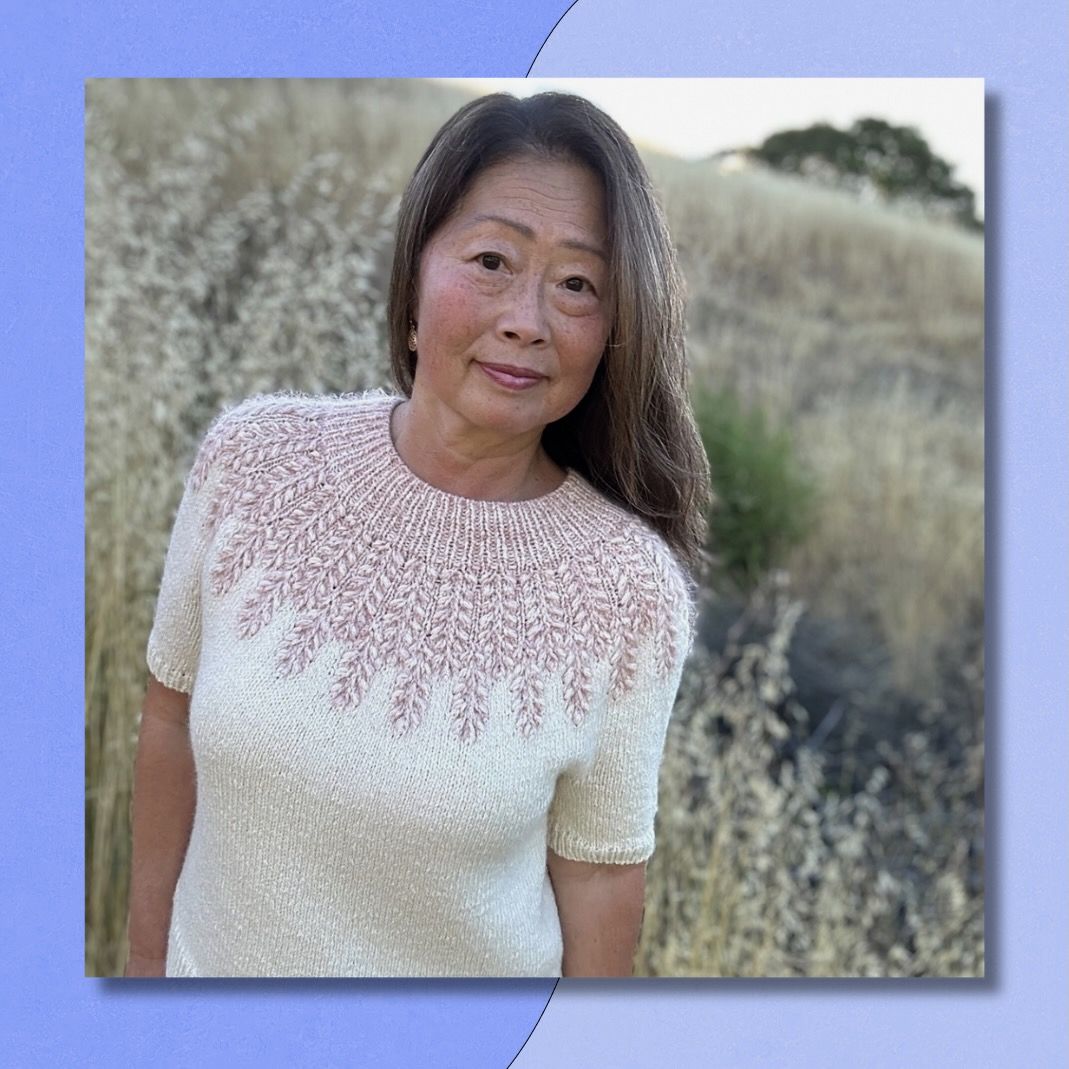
(895,161)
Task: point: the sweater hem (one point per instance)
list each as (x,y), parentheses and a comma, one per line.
(178,962)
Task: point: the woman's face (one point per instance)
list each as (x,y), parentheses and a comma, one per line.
(516,277)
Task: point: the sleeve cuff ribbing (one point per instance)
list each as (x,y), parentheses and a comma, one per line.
(169,674)
(571,846)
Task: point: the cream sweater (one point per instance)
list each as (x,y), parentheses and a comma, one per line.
(400,698)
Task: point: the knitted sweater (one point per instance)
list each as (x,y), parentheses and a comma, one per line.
(399,698)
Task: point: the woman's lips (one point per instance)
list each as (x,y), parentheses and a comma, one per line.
(509,380)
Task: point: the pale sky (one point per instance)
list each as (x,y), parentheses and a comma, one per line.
(693,117)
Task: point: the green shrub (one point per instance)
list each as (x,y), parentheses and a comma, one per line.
(765,501)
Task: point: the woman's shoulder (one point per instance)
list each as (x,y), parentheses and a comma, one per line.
(294,404)
(637,560)
(620,531)
(253,428)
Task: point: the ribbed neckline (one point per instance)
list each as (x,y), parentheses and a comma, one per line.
(449,528)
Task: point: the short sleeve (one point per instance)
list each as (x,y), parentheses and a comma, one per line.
(173,649)
(606,812)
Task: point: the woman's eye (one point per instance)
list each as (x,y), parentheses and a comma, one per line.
(491,261)
(576,284)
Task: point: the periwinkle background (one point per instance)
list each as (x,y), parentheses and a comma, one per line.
(1017,1015)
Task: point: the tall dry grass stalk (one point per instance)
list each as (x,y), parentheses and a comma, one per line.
(238,238)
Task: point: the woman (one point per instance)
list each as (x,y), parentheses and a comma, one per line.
(432,640)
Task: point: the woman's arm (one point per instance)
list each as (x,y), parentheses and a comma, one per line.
(162,816)
(600,909)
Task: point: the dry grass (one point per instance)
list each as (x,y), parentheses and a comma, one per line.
(238,240)
(763,868)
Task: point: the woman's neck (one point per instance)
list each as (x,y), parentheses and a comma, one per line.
(429,454)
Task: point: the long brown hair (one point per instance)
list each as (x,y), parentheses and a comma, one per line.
(633,435)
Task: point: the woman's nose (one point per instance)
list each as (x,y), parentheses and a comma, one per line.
(523,315)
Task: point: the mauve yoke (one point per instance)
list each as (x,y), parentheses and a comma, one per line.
(400,698)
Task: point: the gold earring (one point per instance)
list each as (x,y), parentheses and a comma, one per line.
(412,337)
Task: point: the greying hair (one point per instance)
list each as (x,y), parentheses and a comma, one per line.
(633,435)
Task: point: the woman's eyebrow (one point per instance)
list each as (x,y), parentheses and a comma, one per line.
(527,232)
